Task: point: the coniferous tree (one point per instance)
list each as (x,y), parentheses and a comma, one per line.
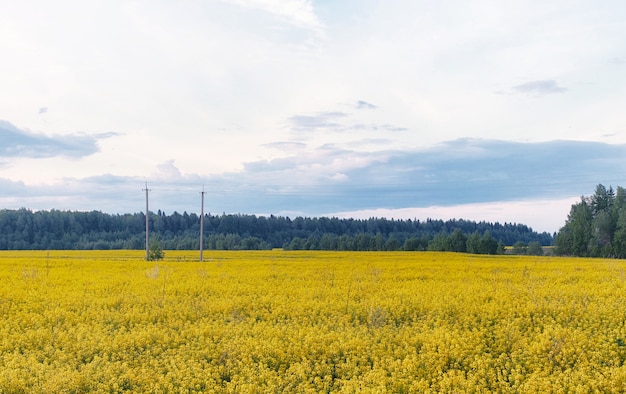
(24,229)
(595,226)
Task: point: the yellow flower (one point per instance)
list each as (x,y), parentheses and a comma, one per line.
(309,321)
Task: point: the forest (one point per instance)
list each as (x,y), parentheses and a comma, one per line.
(74,230)
(595,226)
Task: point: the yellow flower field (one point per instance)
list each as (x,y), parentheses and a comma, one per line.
(310,322)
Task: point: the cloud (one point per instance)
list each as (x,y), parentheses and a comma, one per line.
(316,181)
(365,105)
(11,188)
(107,193)
(302,167)
(342,121)
(168,171)
(393,128)
(539,88)
(42,110)
(456,172)
(321,120)
(286,146)
(339,177)
(15,142)
(369,142)
(298,13)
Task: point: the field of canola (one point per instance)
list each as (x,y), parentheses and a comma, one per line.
(310,322)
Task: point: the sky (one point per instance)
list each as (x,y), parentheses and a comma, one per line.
(506,112)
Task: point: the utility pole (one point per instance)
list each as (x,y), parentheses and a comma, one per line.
(147,228)
(201,222)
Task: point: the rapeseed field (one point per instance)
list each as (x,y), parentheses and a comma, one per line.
(310,322)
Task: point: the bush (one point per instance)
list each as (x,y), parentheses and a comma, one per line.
(155,252)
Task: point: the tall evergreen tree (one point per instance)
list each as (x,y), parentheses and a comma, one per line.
(602,199)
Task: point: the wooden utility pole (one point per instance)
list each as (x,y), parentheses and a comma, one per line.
(147,228)
(201,222)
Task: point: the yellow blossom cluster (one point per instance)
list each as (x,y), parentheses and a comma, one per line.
(310,322)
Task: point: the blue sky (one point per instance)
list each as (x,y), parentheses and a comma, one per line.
(409,109)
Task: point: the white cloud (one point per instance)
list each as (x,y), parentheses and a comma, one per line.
(365,105)
(286,146)
(339,177)
(297,12)
(167,171)
(539,88)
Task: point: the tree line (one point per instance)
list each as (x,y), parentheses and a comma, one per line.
(595,226)
(454,242)
(55,229)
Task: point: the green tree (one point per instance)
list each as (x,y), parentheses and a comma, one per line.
(440,243)
(603,229)
(412,244)
(619,238)
(488,244)
(312,243)
(296,243)
(602,199)
(534,249)
(500,248)
(620,200)
(519,247)
(575,236)
(328,242)
(155,252)
(473,243)
(363,242)
(457,241)
(392,243)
